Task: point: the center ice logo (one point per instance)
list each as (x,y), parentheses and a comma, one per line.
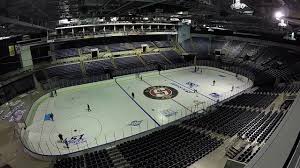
(160,92)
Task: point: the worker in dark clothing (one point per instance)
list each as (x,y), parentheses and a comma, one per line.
(60,136)
(88,108)
(51,115)
(66,142)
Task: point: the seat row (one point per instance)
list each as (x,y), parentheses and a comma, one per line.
(259,128)
(252,100)
(224,120)
(104,66)
(97,159)
(114,47)
(170,147)
(294,88)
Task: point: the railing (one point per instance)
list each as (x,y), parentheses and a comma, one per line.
(45,148)
(108,33)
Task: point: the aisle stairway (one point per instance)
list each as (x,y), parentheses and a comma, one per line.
(118,159)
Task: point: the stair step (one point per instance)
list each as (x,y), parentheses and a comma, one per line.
(118,159)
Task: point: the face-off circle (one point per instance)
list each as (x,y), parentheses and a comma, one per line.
(160,92)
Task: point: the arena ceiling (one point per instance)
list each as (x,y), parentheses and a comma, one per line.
(31,16)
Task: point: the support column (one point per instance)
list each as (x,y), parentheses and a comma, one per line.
(209,46)
(52,48)
(26,57)
(184,33)
(37,84)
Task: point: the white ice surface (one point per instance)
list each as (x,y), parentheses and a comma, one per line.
(113,109)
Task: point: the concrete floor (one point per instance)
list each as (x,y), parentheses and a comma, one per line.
(114,112)
(12,153)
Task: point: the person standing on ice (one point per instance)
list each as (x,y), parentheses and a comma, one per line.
(66,142)
(51,115)
(132,94)
(60,136)
(214,82)
(88,108)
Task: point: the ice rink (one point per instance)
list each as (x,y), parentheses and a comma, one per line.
(116,114)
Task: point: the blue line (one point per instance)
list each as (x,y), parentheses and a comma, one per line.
(187,87)
(137,104)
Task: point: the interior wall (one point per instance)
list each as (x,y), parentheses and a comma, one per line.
(184,33)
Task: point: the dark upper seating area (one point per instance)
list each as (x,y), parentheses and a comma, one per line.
(249,51)
(197,46)
(201,45)
(217,44)
(128,62)
(173,56)
(113,47)
(139,44)
(65,71)
(120,47)
(162,44)
(154,59)
(97,159)
(292,88)
(66,53)
(170,147)
(271,60)
(233,48)
(105,66)
(188,46)
(2,97)
(98,67)
(88,49)
(252,100)
(15,88)
(261,59)
(236,49)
